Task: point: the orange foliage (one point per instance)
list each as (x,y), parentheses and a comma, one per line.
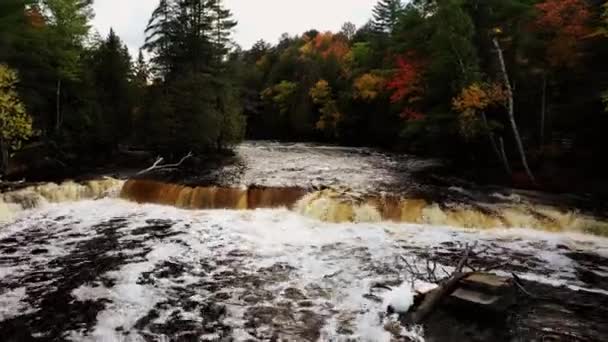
(478,97)
(407,81)
(327,45)
(568,22)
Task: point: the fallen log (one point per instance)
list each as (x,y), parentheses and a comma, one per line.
(446,287)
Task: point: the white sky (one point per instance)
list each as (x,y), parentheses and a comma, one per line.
(258,19)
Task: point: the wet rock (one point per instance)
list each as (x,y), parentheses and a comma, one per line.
(484,292)
(294,294)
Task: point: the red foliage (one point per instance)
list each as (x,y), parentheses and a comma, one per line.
(406,83)
(411,115)
(568,22)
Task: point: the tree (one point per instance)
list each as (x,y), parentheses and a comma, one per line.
(472,104)
(322,96)
(141,75)
(327,45)
(406,83)
(386,15)
(15,123)
(222,26)
(280,95)
(348,30)
(112,70)
(566,23)
(511,109)
(68,22)
(189,42)
(368,86)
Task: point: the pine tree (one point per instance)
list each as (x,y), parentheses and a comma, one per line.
(189,41)
(386,15)
(141,74)
(222,25)
(111,66)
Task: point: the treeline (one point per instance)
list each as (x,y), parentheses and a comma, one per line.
(511,83)
(80,97)
(515,84)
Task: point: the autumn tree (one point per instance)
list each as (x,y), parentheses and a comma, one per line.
(566,23)
(368,87)
(322,96)
(472,104)
(15,123)
(327,45)
(407,80)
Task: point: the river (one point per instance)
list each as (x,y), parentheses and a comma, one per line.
(285,242)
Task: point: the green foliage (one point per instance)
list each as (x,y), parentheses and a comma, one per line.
(68,22)
(15,123)
(281,95)
(189,42)
(386,15)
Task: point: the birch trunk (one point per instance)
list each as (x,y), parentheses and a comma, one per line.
(520,145)
(543,111)
(499,155)
(58,108)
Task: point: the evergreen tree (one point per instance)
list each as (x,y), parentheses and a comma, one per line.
(141,74)
(386,15)
(111,66)
(222,26)
(189,41)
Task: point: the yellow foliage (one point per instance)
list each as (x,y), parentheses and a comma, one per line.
(368,87)
(321,92)
(321,95)
(15,123)
(472,101)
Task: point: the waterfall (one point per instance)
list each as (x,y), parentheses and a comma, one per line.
(329,205)
(35,196)
(210,197)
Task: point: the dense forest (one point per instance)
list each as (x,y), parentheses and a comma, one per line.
(518,86)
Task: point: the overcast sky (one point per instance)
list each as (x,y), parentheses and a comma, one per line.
(266,19)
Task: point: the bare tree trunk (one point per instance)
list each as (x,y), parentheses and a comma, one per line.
(543,111)
(504,156)
(501,157)
(511,104)
(3,157)
(58,118)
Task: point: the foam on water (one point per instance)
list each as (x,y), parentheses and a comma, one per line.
(275,272)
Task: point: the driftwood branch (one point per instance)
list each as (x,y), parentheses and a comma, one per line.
(447,286)
(449,283)
(159,160)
